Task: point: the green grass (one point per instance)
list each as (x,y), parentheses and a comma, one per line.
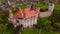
(42,6)
(1,29)
(46,31)
(30,31)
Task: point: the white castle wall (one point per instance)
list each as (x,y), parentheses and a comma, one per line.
(46,14)
(29,22)
(25,22)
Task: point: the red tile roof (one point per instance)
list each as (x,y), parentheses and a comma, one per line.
(46,12)
(27,13)
(19,14)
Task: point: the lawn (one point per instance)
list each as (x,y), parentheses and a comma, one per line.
(1,28)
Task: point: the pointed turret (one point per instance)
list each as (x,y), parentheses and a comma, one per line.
(19,14)
(10,13)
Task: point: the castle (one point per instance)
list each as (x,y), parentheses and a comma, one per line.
(28,17)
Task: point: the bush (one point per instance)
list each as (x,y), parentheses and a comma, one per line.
(42,22)
(55,17)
